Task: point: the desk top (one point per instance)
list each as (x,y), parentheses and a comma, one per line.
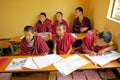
(113,64)
(4,43)
(18,38)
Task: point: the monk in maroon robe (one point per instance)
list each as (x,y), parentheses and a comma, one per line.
(59,18)
(97,44)
(32,45)
(43,25)
(63,41)
(81,24)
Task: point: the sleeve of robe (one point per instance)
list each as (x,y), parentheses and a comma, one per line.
(49,26)
(87,42)
(35,27)
(86,23)
(76,26)
(43,47)
(54,27)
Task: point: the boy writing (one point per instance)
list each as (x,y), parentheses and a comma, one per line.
(98,44)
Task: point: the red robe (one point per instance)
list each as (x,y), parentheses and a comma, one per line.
(84,23)
(63,45)
(45,27)
(88,43)
(55,25)
(38,47)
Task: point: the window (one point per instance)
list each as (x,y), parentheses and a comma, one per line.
(114,10)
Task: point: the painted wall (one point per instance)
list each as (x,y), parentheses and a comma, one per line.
(15,14)
(98,13)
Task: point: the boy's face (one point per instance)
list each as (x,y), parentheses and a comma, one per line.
(78,13)
(28,35)
(100,42)
(42,18)
(58,16)
(60,31)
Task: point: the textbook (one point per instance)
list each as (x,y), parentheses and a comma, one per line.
(32,62)
(91,75)
(104,59)
(79,75)
(67,65)
(61,77)
(107,74)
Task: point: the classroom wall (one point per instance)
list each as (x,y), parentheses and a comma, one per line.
(15,14)
(98,13)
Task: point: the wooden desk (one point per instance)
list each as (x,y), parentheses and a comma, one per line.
(113,64)
(18,38)
(4,43)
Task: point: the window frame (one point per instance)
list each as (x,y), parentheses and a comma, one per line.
(111,11)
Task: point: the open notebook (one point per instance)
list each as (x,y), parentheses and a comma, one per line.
(32,62)
(67,65)
(102,60)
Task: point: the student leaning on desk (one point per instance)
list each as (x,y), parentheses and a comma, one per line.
(31,44)
(97,44)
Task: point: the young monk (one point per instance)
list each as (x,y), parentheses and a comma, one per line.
(32,45)
(98,44)
(43,25)
(81,24)
(63,41)
(59,18)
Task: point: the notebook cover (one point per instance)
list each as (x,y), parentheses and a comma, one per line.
(61,77)
(107,74)
(79,75)
(92,75)
(3,60)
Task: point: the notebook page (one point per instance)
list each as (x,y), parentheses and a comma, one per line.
(16,64)
(46,60)
(65,67)
(29,64)
(77,60)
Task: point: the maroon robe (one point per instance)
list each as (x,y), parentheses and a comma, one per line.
(84,23)
(39,47)
(63,45)
(55,25)
(45,27)
(88,43)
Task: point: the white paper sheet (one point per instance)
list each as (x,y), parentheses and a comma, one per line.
(47,60)
(101,60)
(16,64)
